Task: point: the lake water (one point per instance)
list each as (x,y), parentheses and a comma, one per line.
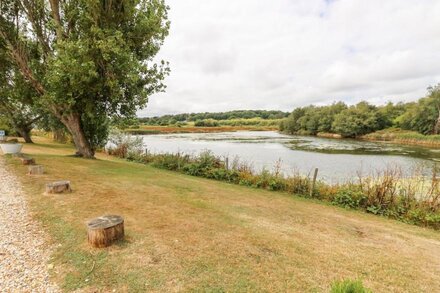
(337,159)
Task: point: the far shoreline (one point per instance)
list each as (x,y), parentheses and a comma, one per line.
(391,135)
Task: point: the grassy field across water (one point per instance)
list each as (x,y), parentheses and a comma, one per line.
(187,234)
(400,136)
(151,129)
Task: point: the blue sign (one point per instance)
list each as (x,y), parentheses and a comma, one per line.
(2,133)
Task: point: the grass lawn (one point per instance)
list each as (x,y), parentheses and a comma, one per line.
(191,234)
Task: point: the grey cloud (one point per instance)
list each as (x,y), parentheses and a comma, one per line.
(282,54)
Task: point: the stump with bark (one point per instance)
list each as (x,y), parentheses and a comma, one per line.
(103,231)
(58,187)
(27,161)
(35,170)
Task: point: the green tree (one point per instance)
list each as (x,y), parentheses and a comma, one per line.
(20,116)
(17,106)
(358,120)
(391,112)
(95,58)
(424,115)
(312,119)
(292,123)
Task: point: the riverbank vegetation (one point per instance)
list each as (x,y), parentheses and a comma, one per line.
(401,136)
(223,116)
(413,199)
(201,122)
(185,233)
(146,130)
(422,117)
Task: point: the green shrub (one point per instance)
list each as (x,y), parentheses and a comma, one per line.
(223,175)
(195,169)
(349,199)
(422,217)
(206,123)
(262,180)
(6,127)
(432,220)
(170,161)
(277,183)
(123,145)
(297,184)
(349,286)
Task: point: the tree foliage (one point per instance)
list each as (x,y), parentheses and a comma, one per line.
(17,98)
(358,120)
(95,58)
(230,115)
(422,116)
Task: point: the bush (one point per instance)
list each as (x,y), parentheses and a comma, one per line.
(168,161)
(277,183)
(223,175)
(123,145)
(349,286)
(297,184)
(206,123)
(422,217)
(349,199)
(6,127)
(262,180)
(195,169)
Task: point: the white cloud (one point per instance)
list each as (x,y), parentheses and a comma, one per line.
(280,54)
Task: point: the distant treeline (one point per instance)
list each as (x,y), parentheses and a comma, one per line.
(422,116)
(231,115)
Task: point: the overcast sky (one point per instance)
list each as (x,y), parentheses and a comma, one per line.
(281,54)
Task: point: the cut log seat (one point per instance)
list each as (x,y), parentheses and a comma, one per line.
(103,231)
(35,170)
(27,161)
(58,187)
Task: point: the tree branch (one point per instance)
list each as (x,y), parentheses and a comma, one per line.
(19,56)
(55,8)
(31,12)
(34,120)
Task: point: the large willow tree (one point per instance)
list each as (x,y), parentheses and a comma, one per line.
(94,60)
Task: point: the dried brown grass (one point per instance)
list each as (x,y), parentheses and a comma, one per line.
(191,234)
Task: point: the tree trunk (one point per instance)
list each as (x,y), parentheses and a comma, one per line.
(25,133)
(437,124)
(103,231)
(58,187)
(73,124)
(59,135)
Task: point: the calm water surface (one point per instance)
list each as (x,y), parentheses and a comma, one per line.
(337,159)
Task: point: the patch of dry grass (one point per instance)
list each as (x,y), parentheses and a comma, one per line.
(192,234)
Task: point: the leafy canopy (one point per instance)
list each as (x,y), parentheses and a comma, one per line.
(96,58)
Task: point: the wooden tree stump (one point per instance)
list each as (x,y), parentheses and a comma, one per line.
(27,161)
(35,170)
(58,187)
(103,231)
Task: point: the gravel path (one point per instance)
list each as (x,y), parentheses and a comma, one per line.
(24,253)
